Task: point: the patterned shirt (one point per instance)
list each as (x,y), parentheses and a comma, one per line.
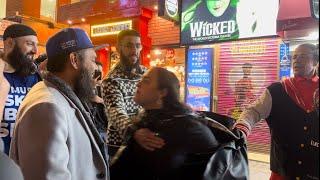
(118,92)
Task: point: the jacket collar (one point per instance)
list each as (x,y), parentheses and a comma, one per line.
(315,78)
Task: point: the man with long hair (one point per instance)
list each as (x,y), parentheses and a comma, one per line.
(119,88)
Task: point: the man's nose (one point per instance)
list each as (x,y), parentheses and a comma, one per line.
(34,50)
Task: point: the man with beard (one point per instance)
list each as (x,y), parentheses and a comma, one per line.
(20,45)
(119,88)
(55,137)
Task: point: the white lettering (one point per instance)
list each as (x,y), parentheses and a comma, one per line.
(4,132)
(223,27)
(204,30)
(14,100)
(196,29)
(10,101)
(12,128)
(215,28)
(10,114)
(314,143)
(209,30)
(18,99)
(231,26)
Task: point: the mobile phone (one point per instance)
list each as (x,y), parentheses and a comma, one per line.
(97,74)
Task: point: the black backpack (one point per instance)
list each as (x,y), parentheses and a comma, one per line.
(230,160)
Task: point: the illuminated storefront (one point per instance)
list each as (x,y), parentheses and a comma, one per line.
(172,59)
(240,38)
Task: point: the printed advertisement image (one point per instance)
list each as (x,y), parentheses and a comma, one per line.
(199,79)
(246,69)
(208,21)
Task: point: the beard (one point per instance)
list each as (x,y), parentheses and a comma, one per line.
(128,65)
(83,87)
(23,65)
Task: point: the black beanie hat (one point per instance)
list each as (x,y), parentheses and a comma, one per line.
(18,30)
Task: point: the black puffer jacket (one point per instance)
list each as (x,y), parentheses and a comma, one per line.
(184,136)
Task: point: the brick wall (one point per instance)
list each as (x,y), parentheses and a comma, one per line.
(24,7)
(162,31)
(13,6)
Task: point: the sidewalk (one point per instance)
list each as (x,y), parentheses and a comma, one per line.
(259,170)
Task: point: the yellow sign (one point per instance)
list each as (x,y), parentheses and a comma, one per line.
(110,28)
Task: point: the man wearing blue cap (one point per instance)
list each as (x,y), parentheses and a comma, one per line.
(20,46)
(55,137)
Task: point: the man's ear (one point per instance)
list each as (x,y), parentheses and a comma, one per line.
(74,60)
(9,43)
(118,46)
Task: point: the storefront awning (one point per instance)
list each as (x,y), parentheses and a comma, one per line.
(295,15)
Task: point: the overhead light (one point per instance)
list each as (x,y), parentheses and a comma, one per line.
(69,22)
(157,52)
(155,7)
(83,19)
(313,36)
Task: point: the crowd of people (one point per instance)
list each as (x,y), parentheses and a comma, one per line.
(70,122)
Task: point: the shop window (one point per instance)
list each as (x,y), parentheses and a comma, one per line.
(173,59)
(48,9)
(3,8)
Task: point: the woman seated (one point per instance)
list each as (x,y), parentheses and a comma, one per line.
(167,132)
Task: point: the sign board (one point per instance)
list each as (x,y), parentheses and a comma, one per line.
(209,21)
(169,9)
(110,28)
(285,61)
(199,79)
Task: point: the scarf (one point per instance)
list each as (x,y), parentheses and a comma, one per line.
(83,106)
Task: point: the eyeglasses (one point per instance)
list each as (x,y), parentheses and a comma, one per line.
(301,56)
(131,46)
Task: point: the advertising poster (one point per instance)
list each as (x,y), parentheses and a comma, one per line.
(199,79)
(246,68)
(205,21)
(285,61)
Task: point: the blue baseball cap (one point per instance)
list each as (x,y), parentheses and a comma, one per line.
(67,41)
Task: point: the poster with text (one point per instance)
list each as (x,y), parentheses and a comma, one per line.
(199,79)
(285,61)
(207,21)
(246,69)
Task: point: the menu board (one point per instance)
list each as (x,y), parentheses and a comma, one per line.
(285,61)
(199,79)
(209,21)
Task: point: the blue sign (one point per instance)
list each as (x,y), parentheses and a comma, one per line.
(199,79)
(285,61)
